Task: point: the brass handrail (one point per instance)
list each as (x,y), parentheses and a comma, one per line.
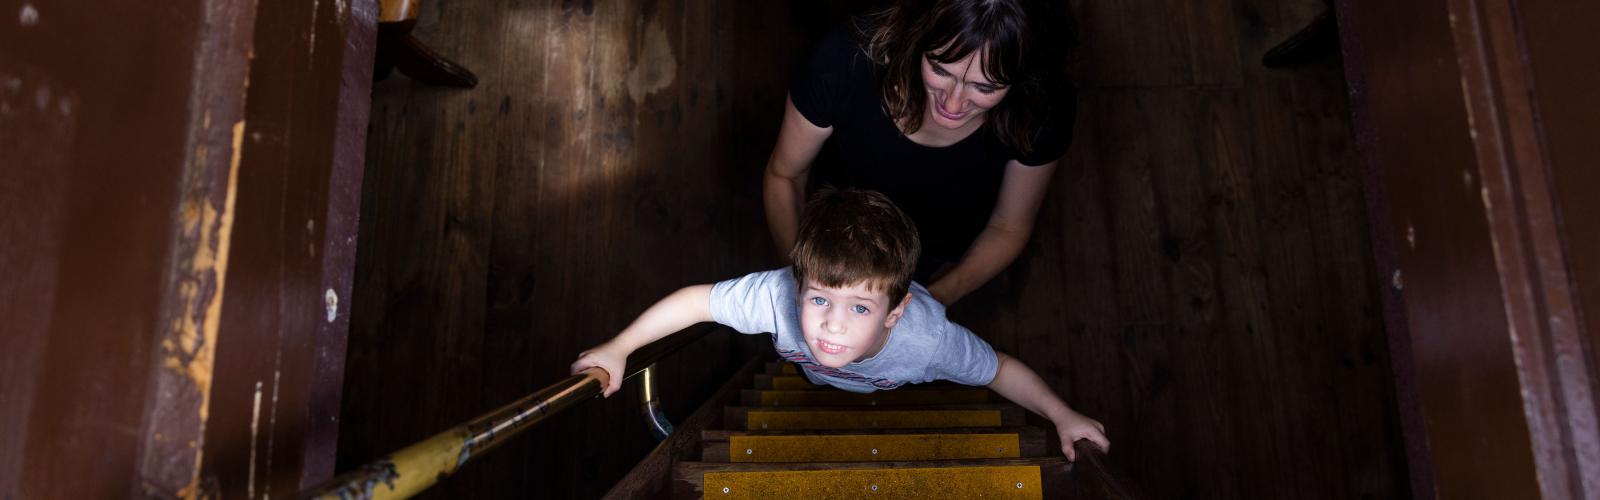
(415,468)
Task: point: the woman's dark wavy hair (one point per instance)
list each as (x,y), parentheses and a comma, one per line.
(1027,43)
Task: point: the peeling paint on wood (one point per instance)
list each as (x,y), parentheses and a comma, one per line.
(201,296)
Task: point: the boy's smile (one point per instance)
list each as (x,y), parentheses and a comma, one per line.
(847,324)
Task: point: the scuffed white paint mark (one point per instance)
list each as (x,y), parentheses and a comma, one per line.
(65,106)
(255,422)
(13,87)
(272,421)
(1411,236)
(29,15)
(314,5)
(311,225)
(331,299)
(41,98)
(1466,178)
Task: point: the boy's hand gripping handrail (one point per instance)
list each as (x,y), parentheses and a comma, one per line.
(415,468)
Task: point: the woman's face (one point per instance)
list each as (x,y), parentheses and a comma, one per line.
(958,93)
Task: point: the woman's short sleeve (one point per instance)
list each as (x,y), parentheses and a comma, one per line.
(1053,137)
(820,83)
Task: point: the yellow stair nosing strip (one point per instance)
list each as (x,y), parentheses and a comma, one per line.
(1015,481)
(874,447)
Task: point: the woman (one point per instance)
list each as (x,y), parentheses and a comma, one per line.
(946,107)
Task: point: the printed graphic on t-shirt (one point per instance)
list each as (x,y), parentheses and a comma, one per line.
(806,362)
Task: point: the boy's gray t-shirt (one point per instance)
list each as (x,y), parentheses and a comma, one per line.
(923,345)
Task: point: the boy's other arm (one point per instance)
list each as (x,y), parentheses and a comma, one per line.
(1021,385)
(677,311)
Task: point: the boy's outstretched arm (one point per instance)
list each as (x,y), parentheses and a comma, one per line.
(677,311)
(1021,385)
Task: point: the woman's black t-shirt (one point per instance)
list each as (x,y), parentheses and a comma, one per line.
(949,191)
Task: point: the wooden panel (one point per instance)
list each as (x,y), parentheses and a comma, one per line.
(1553,32)
(1495,323)
(280,359)
(1162,43)
(1199,278)
(610,154)
(120,159)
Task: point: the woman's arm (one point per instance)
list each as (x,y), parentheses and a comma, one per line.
(1010,226)
(1022,386)
(784,185)
(670,315)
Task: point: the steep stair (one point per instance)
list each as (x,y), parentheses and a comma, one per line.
(778,436)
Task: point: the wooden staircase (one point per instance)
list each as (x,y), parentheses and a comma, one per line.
(774,435)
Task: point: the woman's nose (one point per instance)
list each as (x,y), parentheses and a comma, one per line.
(952,99)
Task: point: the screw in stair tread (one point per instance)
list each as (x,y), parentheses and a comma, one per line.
(842,417)
(993,478)
(965,395)
(858,445)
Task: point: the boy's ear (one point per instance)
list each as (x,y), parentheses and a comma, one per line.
(899,309)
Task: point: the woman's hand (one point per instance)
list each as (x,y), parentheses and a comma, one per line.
(1010,225)
(606,357)
(1072,426)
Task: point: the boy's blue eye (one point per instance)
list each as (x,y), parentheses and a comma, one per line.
(819,301)
(860,309)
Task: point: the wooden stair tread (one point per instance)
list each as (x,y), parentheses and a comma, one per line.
(796,382)
(724,434)
(875,447)
(869,417)
(823,397)
(993,478)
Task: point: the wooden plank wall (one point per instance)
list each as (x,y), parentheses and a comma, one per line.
(611,154)
(280,358)
(1200,279)
(1486,162)
(118,158)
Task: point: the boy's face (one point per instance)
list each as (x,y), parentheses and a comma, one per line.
(844,325)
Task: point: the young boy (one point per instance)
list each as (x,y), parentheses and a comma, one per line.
(848,314)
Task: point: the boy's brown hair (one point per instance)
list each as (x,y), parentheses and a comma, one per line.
(850,236)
